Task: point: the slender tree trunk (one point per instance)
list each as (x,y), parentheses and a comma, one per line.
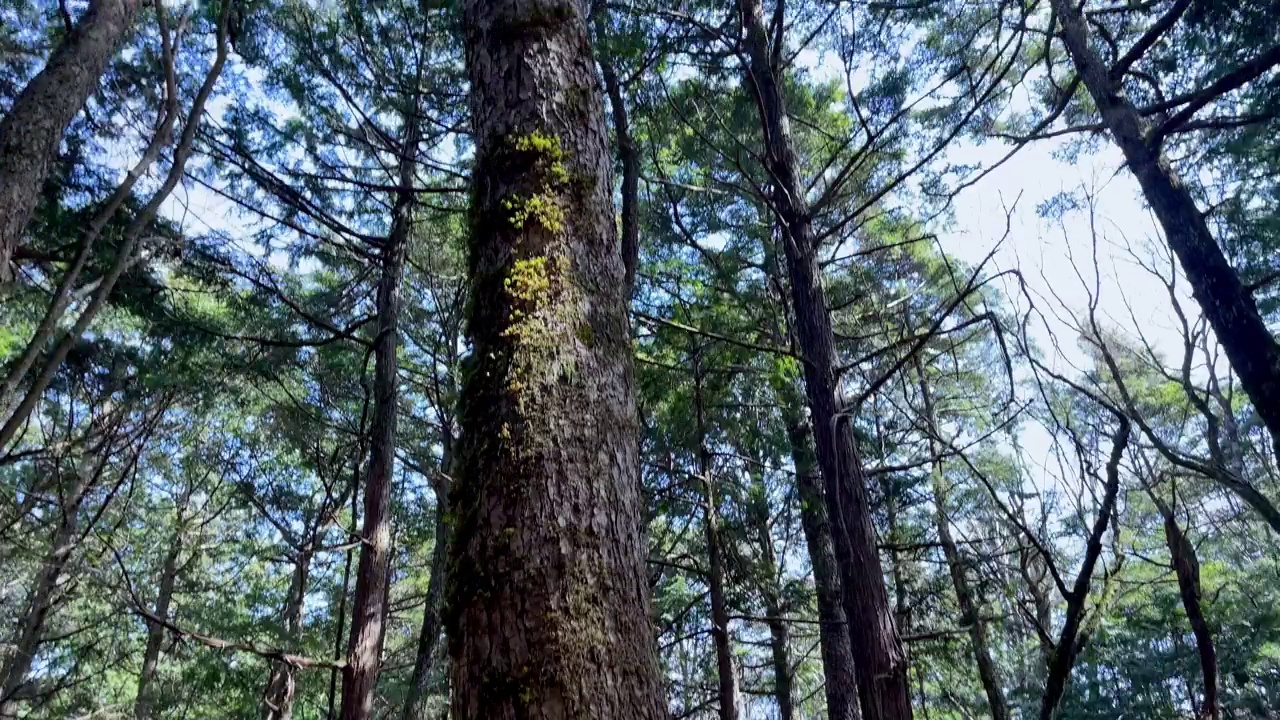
(277,701)
(548,597)
(144,703)
(415,706)
(726,675)
(881,663)
(373,573)
(32,131)
(833,635)
(970,612)
(1226,302)
(775,610)
(1186,567)
(30,627)
(1068,645)
(629,159)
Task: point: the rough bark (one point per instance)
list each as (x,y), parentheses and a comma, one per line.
(1186,567)
(548,603)
(415,707)
(726,675)
(63,294)
(1068,645)
(32,130)
(970,615)
(841,684)
(373,569)
(881,664)
(1226,302)
(144,702)
(133,233)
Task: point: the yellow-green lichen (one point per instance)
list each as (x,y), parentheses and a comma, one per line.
(544,206)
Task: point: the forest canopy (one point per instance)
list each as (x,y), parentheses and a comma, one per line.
(551,359)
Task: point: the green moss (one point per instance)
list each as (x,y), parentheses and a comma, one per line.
(586,334)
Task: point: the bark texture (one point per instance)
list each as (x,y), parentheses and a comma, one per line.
(548,607)
(775,609)
(841,685)
(1226,302)
(373,570)
(282,683)
(32,131)
(29,629)
(881,660)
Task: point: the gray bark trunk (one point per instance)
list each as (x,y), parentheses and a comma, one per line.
(548,601)
(726,675)
(30,627)
(32,131)
(281,684)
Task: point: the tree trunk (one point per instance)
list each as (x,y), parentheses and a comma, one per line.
(30,627)
(415,707)
(726,675)
(32,131)
(548,601)
(833,634)
(277,701)
(144,703)
(1186,567)
(775,610)
(373,570)
(1068,645)
(1227,304)
(881,663)
(132,239)
(970,612)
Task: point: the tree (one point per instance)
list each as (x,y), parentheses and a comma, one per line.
(32,129)
(547,609)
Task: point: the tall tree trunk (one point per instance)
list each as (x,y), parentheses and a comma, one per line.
(841,684)
(277,701)
(415,706)
(373,570)
(970,612)
(30,627)
(1226,302)
(32,130)
(881,663)
(1186,567)
(548,602)
(144,703)
(775,610)
(726,675)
